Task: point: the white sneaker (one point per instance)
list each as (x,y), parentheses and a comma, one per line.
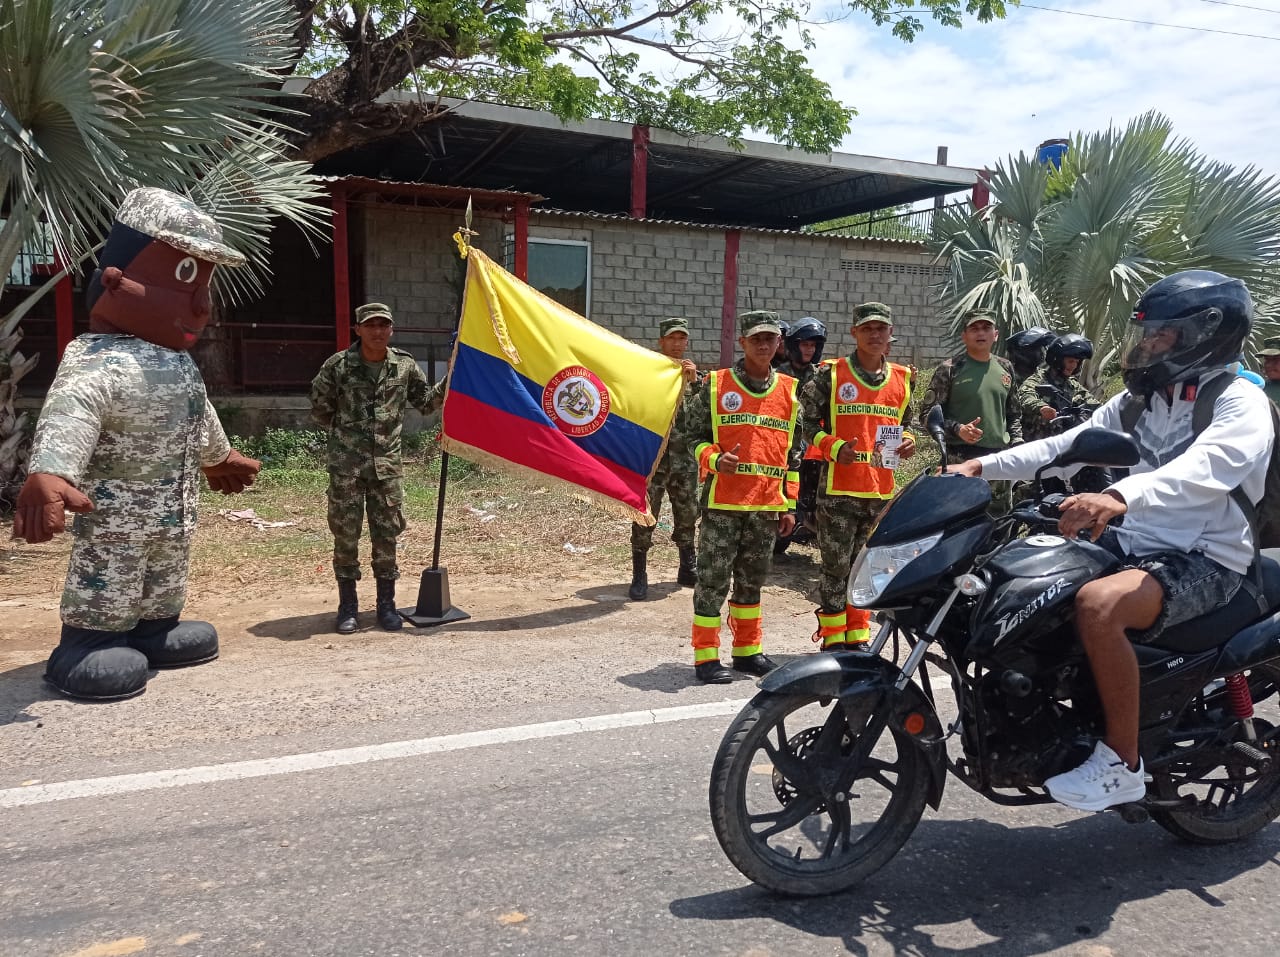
(1103,781)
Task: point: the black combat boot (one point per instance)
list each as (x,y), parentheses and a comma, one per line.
(639,589)
(712,673)
(348,606)
(687,574)
(388,618)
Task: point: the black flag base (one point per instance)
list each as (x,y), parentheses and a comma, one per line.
(434,607)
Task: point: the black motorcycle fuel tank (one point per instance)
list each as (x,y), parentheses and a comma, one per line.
(1031,584)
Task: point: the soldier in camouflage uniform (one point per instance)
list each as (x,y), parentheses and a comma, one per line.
(1063,357)
(359,395)
(741,426)
(124,431)
(978,399)
(841,429)
(804,341)
(676,476)
(1270,356)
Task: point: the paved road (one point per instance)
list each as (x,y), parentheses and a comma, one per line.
(468,837)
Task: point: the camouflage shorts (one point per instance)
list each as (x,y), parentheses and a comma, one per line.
(111,585)
(1193,583)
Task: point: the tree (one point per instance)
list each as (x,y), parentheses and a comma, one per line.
(720,67)
(100,96)
(1073,248)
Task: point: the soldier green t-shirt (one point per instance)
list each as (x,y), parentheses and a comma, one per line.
(1272,389)
(981,389)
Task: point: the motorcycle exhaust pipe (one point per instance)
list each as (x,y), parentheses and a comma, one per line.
(1254,645)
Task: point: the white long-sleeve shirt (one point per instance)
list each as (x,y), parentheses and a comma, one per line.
(1178,495)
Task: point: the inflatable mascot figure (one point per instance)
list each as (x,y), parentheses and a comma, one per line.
(125,431)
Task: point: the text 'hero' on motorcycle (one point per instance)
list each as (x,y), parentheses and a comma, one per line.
(823,776)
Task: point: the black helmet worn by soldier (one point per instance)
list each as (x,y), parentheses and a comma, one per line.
(1026,349)
(805,330)
(780,356)
(1182,326)
(1069,346)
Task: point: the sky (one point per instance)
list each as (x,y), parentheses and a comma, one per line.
(991,90)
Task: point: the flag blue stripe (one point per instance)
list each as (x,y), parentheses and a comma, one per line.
(492,381)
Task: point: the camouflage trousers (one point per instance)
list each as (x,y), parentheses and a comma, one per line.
(350,497)
(681,487)
(112,585)
(844,523)
(1001,492)
(737,546)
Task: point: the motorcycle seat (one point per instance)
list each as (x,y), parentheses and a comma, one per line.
(1211,630)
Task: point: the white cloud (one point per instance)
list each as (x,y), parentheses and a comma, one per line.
(991,90)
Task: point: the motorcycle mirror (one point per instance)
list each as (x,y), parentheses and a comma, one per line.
(936,423)
(1098,447)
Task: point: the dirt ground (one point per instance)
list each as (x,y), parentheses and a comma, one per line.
(550,625)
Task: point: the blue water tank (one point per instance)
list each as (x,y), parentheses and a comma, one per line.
(1052,151)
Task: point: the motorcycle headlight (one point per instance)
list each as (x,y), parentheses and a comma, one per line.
(876,567)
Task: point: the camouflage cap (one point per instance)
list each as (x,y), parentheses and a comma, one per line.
(872,312)
(759,320)
(371,310)
(1270,347)
(674,324)
(980,314)
(176,220)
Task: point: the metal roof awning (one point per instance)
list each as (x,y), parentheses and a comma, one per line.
(587,166)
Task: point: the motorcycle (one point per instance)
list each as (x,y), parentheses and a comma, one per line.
(825,773)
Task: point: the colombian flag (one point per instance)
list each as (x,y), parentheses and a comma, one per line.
(535,386)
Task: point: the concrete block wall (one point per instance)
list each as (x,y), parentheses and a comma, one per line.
(643,272)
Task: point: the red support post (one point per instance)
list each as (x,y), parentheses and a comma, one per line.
(639,170)
(729,307)
(63,310)
(982,191)
(341,270)
(522,242)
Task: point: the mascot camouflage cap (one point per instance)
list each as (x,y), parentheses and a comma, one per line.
(176,220)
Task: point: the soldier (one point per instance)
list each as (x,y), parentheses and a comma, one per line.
(978,399)
(855,412)
(125,431)
(360,396)
(804,340)
(1026,351)
(741,426)
(1270,356)
(780,353)
(676,475)
(1064,358)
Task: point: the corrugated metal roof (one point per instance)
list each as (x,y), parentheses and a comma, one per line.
(430,189)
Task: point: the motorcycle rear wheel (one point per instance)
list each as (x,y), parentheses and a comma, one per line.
(776,810)
(1234,798)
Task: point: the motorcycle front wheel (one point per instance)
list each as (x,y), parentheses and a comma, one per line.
(809,798)
(1229,792)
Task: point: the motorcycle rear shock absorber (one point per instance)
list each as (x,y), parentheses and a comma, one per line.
(1240,701)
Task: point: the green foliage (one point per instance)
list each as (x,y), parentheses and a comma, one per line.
(726,66)
(284,448)
(1073,249)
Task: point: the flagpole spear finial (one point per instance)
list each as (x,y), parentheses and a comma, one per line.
(463,236)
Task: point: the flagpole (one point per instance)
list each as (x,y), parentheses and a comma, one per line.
(444,481)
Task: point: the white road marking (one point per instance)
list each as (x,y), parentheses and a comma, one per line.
(341,757)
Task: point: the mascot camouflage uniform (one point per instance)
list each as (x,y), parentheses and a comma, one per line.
(124,431)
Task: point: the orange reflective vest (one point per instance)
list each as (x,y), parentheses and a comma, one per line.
(762,427)
(857,411)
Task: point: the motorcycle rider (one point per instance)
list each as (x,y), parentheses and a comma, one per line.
(804,341)
(1063,359)
(1025,349)
(1185,544)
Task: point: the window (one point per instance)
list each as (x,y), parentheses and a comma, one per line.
(559,269)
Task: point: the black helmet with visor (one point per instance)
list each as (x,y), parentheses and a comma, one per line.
(1184,325)
(805,330)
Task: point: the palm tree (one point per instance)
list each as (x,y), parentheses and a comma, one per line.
(100,96)
(1074,247)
